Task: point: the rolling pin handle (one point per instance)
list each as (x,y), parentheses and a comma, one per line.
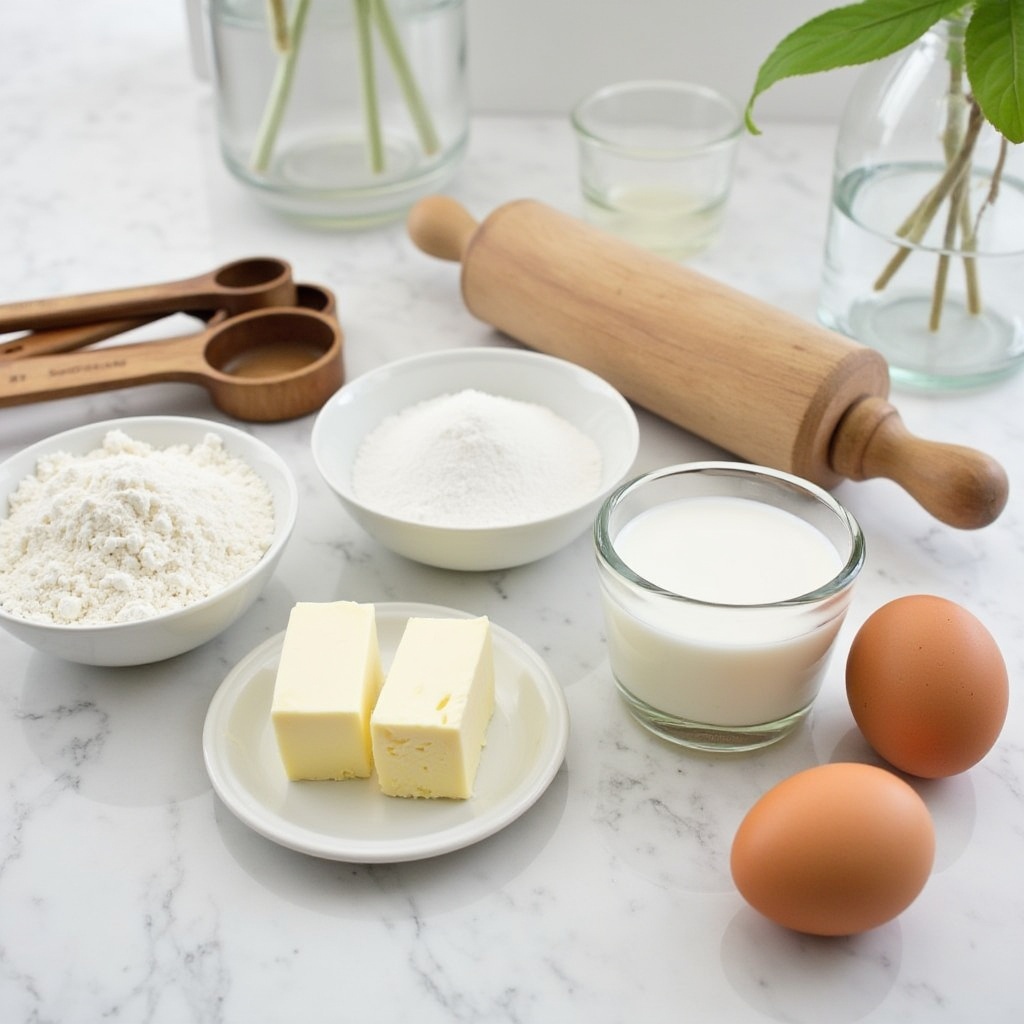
(959,486)
(441,227)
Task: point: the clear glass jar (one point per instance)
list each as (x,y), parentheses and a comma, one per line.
(360,113)
(937,291)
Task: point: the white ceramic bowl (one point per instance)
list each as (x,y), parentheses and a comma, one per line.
(577,395)
(163,636)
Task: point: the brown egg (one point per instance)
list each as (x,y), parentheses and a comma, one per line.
(927,686)
(834,850)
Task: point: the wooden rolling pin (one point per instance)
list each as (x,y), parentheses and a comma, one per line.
(766,385)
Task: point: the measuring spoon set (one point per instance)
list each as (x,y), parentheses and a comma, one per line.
(270,348)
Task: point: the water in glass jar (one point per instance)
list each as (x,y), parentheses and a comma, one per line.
(298,129)
(955,342)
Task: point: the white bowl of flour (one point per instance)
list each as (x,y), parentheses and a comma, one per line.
(133,540)
(476,458)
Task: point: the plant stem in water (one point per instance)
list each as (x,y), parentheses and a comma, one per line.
(920,220)
(287,38)
(959,213)
(953,219)
(279,24)
(280,90)
(371,110)
(969,244)
(406,79)
(993,186)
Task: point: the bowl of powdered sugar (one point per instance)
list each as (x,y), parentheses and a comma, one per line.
(133,540)
(477,458)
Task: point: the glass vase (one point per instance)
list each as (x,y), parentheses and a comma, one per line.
(340,113)
(924,257)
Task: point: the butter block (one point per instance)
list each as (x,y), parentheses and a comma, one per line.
(430,723)
(327,681)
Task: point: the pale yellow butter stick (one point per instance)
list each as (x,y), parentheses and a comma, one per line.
(430,722)
(327,682)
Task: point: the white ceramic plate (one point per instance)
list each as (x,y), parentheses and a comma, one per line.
(352,820)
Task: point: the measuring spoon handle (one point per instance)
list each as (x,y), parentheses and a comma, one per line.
(42,378)
(65,339)
(244,284)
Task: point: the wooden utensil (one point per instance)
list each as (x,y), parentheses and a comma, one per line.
(67,339)
(264,365)
(764,384)
(253,283)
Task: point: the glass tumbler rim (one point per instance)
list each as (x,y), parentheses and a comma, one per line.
(729,133)
(609,560)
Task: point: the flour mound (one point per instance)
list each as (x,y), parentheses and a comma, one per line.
(129,531)
(471,459)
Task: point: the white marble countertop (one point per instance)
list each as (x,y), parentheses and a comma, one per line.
(129,892)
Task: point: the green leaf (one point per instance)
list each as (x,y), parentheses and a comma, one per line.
(856,34)
(994,49)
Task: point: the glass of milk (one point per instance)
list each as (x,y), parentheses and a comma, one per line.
(724,586)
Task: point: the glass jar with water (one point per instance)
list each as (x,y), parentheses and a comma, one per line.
(924,258)
(340,112)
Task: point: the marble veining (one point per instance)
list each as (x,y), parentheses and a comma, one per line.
(128,892)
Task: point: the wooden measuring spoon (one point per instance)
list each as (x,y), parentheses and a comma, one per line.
(264,365)
(252,283)
(67,339)
(316,296)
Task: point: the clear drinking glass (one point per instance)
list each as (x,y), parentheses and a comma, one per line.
(656,162)
(729,649)
(363,111)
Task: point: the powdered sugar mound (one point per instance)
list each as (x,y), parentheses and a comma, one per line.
(128,531)
(472,459)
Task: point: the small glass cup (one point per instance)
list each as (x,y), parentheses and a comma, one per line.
(656,162)
(756,568)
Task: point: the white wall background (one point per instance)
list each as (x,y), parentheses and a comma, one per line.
(530,56)
(542,56)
